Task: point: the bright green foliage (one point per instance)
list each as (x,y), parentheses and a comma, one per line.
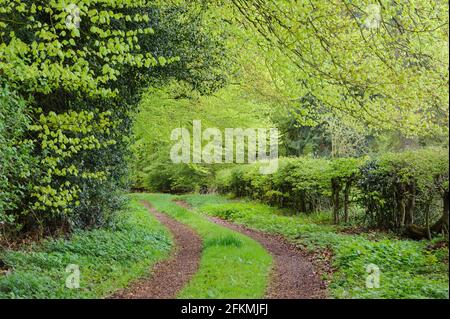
(108,259)
(60,138)
(383,63)
(407,188)
(79,48)
(232,265)
(394,189)
(302,183)
(339,79)
(15,159)
(176,106)
(82,68)
(408,269)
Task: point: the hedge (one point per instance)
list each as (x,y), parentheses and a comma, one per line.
(400,191)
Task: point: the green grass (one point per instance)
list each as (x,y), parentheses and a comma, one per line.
(407,268)
(232,265)
(108,259)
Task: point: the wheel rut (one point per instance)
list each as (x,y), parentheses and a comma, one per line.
(293,275)
(169,276)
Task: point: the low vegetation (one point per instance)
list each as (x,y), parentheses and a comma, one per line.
(407,268)
(108,259)
(405,192)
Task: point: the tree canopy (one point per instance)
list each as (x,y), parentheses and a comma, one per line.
(385,64)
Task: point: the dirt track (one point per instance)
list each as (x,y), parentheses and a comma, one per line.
(168,277)
(293,275)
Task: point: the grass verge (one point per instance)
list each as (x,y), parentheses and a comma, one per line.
(108,259)
(232,265)
(407,269)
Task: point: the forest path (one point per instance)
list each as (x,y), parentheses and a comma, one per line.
(293,275)
(169,276)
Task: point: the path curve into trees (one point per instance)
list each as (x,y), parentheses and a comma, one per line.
(293,275)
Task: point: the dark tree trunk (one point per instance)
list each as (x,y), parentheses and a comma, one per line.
(411,204)
(401,204)
(335,196)
(346,199)
(442,224)
(302,202)
(427,218)
(415,232)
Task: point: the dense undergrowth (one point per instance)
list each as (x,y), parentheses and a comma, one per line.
(108,259)
(408,269)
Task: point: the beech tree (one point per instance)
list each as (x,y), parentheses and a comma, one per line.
(384,63)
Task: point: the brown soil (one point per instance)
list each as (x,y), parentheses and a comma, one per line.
(168,277)
(294,275)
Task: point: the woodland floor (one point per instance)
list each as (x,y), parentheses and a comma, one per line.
(210,247)
(292,277)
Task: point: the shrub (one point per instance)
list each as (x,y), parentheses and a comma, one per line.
(83,83)
(167,177)
(397,190)
(305,184)
(15,157)
(405,189)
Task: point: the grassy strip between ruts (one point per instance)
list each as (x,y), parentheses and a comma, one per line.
(108,259)
(232,265)
(407,269)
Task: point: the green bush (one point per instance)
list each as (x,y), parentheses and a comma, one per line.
(167,177)
(15,158)
(395,189)
(83,83)
(402,189)
(303,183)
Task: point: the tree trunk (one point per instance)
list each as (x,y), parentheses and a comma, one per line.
(346,197)
(401,204)
(313,205)
(336,204)
(442,224)
(410,204)
(302,204)
(427,218)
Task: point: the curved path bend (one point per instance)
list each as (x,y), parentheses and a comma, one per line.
(293,275)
